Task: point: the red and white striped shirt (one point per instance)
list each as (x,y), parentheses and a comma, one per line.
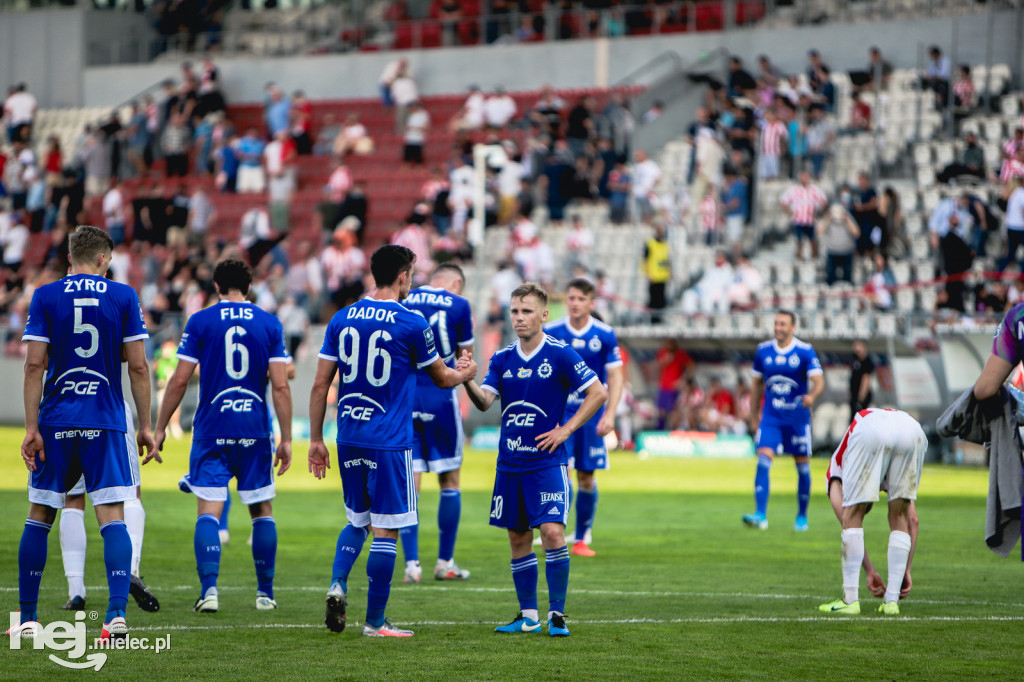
(339,184)
(710,214)
(431,188)
(803,203)
(342,266)
(1012,168)
(414,238)
(772,136)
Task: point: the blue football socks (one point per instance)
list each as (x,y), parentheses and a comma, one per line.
(223,522)
(380,566)
(524,575)
(411,542)
(586,505)
(449,510)
(117,556)
(803,487)
(762,483)
(207,548)
(264,553)
(556,570)
(31,561)
(350,544)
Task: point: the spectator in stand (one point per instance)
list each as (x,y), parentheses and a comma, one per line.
(646,176)
(277,110)
(14,240)
(839,233)
(816,69)
(295,322)
(328,135)
(1013,194)
(735,204)
(175,143)
(804,201)
(547,111)
(354,138)
(711,292)
(20,113)
(415,237)
(251,176)
(991,299)
(509,181)
(881,283)
(304,281)
(709,212)
(673,364)
(344,268)
(1008,154)
(226,165)
(279,156)
(201,215)
(604,295)
(965,99)
(499,109)
(820,138)
(876,75)
(972,162)
(936,76)
(387,78)
(96,162)
(949,229)
(616,123)
(891,218)
(556,178)
(471,115)
(657,266)
(114,211)
(210,97)
(865,212)
(403,93)
(579,244)
(257,237)
(720,410)
(16,183)
(302,123)
(773,138)
(746,287)
(580,125)
(860,114)
(768,72)
(53,163)
(203,142)
(620,183)
(417,123)
(740,81)
(137,140)
(35,199)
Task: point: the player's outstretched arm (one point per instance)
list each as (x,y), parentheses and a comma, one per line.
(319,458)
(444,376)
(595,397)
(992,377)
(907,582)
(32,393)
(138,378)
(176,386)
(480,398)
(616,380)
(835,496)
(281,394)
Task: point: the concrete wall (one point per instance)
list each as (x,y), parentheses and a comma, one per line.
(577,63)
(44,48)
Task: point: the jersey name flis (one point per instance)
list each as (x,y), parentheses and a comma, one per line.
(371,313)
(88,434)
(236,313)
(73,286)
(244,442)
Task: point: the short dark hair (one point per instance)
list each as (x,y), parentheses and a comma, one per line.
(584,286)
(531,289)
(389,261)
(86,242)
(231,274)
(449,267)
(792,315)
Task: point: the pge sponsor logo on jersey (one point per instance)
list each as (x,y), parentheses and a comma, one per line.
(524,419)
(544,371)
(79,385)
(362,411)
(552,497)
(87,434)
(234,403)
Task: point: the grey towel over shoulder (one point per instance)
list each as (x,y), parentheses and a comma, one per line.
(995,426)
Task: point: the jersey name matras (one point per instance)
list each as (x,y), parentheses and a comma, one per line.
(428,298)
(371,313)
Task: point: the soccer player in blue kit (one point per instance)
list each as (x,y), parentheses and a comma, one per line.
(437,421)
(238,346)
(596,344)
(534,377)
(376,345)
(787,372)
(75,424)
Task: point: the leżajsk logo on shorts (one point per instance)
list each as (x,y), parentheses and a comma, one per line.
(73,639)
(544,371)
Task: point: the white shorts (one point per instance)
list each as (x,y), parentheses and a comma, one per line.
(733,229)
(250,179)
(882,450)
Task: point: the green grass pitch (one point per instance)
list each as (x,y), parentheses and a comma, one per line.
(679,588)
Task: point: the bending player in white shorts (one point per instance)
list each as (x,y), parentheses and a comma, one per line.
(882,449)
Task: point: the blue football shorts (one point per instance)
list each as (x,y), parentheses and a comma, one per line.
(437,428)
(378,486)
(99,456)
(522,501)
(213,462)
(586,449)
(784,439)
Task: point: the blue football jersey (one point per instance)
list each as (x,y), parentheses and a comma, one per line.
(786,373)
(534,390)
(85,319)
(378,346)
(450,319)
(597,345)
(233,344)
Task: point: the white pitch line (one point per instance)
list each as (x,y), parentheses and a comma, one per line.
(615,593)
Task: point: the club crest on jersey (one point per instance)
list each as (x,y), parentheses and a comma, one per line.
(794,360)
(544,371)
(594,345)
(524,373)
